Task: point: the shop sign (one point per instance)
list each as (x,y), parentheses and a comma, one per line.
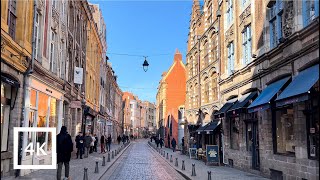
(193,153)
(212,152)
(78,75)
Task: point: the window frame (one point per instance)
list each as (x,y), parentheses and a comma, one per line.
(275,17)
(52,49)
(12,18)
(229,12)
(230,58)
(247,44)
(307,19)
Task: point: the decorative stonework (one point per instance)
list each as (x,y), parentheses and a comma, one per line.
(3,45)
(229,34)
(245,15)
(288,24)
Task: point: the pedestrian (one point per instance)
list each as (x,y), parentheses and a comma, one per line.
(64,149)
(161,142)
(182,144)
(87,142)
(92,143)
(109,141)
(157,142)
(96,143)
(173,143)
(102,144)
(123,139)
(79,145)
(151,138)
(119,139)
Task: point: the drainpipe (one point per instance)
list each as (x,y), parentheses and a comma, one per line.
(26,76)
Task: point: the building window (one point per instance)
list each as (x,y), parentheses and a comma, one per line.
(214,88)
(12,17)
(206,92)
(215,49)
(285,140)
(230,53)
(196,68)
(310,10)
(37,38)
(52,56)
(275,23)
(246,45)
(5,114)
(206,61)
(229,12)
(234,132)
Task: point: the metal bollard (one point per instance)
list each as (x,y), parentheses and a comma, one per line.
(193,170)
(96,170)
(85,174)
(183,167)
(171,158)
(115,152)
(176,164)
(103,161)
(167,155)
(209,175)
(164,154)
(112,155)
(108,160)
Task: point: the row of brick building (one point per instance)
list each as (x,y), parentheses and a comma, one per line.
(54,72)
(252,86)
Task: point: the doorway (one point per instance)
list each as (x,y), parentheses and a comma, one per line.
(255,146)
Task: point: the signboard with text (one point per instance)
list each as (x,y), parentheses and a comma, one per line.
(212,153)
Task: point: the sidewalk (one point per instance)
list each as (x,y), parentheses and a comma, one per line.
(217,172)
(77,167)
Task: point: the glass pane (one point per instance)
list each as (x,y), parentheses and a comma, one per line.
(284,131)
(42,115)
(33,98)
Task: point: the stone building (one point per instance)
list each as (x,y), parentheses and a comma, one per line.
(149,116)
(268,86)
(16,66)
(127,120)
(171,94)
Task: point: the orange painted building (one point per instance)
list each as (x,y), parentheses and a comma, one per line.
(171,94)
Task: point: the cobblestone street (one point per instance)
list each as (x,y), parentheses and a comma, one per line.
(139,162)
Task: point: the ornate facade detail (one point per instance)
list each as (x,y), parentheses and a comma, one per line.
(288,24)
(244,17)
(229,34)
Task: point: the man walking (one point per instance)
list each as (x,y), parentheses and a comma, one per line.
(182,145)
(109,140)
(161,142)
(64,149)
(79,144)
(119,139)
(95,143)
(87,143)
(173,143)
(102,143)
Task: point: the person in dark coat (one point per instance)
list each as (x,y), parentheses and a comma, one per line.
(109,141)
(161,142)
(119,139)
(123,139)
(102,144)
(79,145)
(173,143)
(87,143)
(64,149)
(182,144)
(95,148)
(157,141)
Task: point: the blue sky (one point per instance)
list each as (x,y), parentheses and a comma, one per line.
(145,28)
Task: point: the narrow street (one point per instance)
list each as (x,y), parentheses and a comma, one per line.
(139,161)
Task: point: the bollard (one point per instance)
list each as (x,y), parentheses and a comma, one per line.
(176,164)
(115,152)
(167,155)
(112,155)
(164,154)
(193,170)
(171,158)
(209,175)
(183,167)
(96,170)
(85,174)
(108,160)
(103,161)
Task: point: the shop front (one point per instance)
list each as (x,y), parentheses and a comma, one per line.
(45,106)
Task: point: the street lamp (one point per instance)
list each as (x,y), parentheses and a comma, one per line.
(145,64)
(83,101)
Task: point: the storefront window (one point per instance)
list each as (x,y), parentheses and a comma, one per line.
(285,131)
(43,108)
(5,114)
(53,119)
(249,136)
(234,132)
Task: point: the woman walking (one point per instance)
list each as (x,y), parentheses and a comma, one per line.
(102,141)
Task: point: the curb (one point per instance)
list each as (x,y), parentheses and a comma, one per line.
(184,175)
(118,156)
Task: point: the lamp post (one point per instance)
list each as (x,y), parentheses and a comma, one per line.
(83,101)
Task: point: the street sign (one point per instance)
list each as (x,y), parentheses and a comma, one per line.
(78,75)
(212,152)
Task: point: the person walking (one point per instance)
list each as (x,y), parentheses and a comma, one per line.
(87,143)
(92,143)
(119,139)
(182,145)
(173,143)
(157,141)
(102,144)
(79,145)
(109,142)
(64,149)
(96,143)
(161,142)
(123,139)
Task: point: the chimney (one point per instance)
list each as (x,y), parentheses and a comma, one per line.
(177,56)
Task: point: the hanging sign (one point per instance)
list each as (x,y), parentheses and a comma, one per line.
(78,75)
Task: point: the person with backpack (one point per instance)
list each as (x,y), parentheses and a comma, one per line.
(64,149)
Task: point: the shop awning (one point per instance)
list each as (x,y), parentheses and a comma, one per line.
(243,102)
(225,108)
(212,126)
(299,89)
(262,102)
(201,129)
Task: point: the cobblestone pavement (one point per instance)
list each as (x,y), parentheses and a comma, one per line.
(140,162)
(217,172)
